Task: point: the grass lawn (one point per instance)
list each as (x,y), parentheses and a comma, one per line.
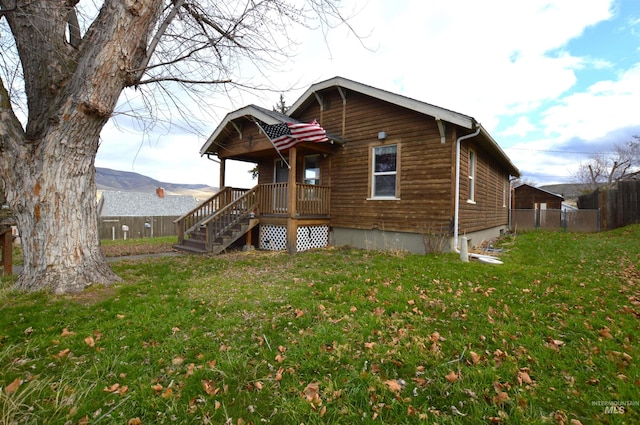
(337,336)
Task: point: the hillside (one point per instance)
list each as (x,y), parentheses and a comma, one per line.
(570,191)
(115,180)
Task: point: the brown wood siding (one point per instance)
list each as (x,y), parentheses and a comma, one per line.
(526,197)
(424,165)
(489,208)
(252,140)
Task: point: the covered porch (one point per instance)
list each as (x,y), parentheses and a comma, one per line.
(292,217)
(290,204)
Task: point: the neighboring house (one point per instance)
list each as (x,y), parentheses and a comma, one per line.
(124,215)
(387,177)
(526,197)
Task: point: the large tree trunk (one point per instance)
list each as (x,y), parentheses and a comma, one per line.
(54,198)
(48,166)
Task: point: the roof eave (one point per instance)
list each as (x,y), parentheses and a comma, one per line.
(250,110)
(513,170)
(407,102)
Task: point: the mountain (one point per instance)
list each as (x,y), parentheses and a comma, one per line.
(570,191)
(126,181)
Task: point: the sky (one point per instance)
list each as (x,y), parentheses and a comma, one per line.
(553,81)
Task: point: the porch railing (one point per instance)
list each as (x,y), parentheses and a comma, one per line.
(227,217)
(196,217)
(311,200)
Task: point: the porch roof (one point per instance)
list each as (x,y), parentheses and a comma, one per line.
(264,115)
(251,112)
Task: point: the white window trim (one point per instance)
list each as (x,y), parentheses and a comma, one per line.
(473,165)
(372,174)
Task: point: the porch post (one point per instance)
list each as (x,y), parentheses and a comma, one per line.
(222,171)
(292,227)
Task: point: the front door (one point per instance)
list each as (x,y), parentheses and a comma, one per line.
(281,175)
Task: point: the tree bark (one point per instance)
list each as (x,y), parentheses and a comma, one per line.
(48,168)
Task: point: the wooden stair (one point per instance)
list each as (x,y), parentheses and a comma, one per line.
(221,226)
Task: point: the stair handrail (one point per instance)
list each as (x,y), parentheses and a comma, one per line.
(226,219)
(205,210)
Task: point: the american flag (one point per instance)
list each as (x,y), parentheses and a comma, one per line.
(285,135)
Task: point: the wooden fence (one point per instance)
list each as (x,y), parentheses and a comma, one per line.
(568,221)
(136,227)
(620,205)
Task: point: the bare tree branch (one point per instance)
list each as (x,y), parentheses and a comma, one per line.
(177,4)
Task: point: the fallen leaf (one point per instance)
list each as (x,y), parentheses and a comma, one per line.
(190,369)
(475,358)
(501,397)
(299,313)
(120,316)
(112,389)
(217,405)
(209,387)
(605,333)
(312,394)
(470,393)
(134,421)
(452,376)
(369,345)
(455,411)
(13,386)
(64,352)
(177,361)
(168,393)
(279,358)
(83,420)
(157,388)
(393,385)
(67,332)
(90,341)
(279,374)
(524,378)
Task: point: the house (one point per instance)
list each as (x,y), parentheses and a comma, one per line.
(391,173)
(527,197)
(124,215)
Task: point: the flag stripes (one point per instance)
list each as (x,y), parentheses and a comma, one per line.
(285,135)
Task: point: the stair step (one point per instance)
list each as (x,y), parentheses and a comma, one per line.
(195,243)
(190,249)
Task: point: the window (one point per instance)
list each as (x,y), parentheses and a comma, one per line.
(472,175)
(312,169)
(385,171)
(504,192)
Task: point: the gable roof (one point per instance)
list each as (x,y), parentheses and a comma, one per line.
(263,114)
(387,96)
(441,114)
(136,204)
(546,192)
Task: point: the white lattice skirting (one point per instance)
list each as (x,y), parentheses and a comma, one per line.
(274,238)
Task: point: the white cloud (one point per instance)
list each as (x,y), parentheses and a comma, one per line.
(496,60)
